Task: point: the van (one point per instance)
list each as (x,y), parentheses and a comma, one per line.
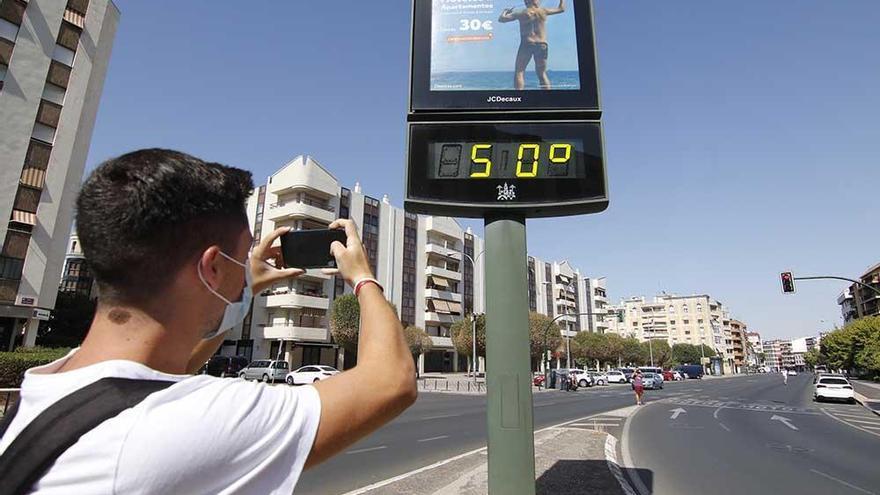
(223,366)
(691,370)
(265,370)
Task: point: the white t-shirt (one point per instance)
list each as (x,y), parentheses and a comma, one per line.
(199,435)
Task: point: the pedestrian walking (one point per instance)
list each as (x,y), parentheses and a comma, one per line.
(168,243)
(785,377)
(638,386)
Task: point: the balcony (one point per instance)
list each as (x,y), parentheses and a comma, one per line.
(293,300)
(295,209)
(444,226)
(433,271)
(443,294)
(440,250)
(297,333)
(442,342)
(439,318)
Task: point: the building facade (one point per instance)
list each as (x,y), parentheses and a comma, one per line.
(778,355)
(76,276)
(53,60)
(431,269)
(754,348)
(738,344)
(858,301)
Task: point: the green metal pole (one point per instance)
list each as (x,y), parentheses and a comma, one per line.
(508,369)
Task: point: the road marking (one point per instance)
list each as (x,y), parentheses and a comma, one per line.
(724,426)
(784,420)
(611,459)
(440,416)
(865,421)
(676,412)
(715,414)
(358,451)
(835,418)
(850,415)
(594,424)
(854,487)
(433,438)
(633,475)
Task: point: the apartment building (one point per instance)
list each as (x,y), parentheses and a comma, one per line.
(777,354)
(858,301)
(801,346)
(76,276)
(738,347)
(692,319)
(53,60)
(755,348)
(423,262)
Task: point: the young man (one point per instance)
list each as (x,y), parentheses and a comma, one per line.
(168,241)
(533,40)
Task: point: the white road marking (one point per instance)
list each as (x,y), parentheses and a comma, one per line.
(611,459)
(676,412)
(784,420)
(835,418)
(433,438)
(863,421)
(724,426)
(715,414)
(594,424)
(850,415)
(854,487)
(358,451)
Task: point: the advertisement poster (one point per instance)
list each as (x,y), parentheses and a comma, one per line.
(484,45)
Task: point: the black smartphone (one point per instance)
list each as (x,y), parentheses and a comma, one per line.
(310,248)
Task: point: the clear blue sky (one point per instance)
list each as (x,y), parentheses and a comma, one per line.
(742,137)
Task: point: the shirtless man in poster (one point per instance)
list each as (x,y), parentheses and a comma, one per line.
(533,41)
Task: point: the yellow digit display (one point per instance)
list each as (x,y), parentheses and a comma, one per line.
(533,171)
(565,157)
(481,160)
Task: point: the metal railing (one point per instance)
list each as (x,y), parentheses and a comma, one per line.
(459,386)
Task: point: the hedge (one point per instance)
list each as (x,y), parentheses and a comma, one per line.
(14,364)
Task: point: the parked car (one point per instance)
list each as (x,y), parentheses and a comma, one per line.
(538,379)
(653,381)
(265,370)
(581,377)
(691,370)
(668,376)
(224,366)
(628,372)
(599,378)
(792,372)
(616,376)
(310,374)
(651,369)
(833,387)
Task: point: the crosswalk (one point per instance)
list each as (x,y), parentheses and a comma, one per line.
(855,416)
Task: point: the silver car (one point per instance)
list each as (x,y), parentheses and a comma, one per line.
(265,370)
(653,381)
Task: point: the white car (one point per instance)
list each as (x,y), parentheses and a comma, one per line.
(599,378)
(833,387)
(616,377)
(310,374)
(792,373)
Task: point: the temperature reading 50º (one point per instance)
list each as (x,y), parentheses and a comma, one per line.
(528,160)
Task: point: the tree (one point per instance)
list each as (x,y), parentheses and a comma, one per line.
(631,352)
(345,317)
(417,340)
(69,322)
(589,347)
(855,346)
(812,358)
(544,334)
(461,333)
(685,354)
(613,349)
(661,351)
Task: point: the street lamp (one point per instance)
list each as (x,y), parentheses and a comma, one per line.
(473,315)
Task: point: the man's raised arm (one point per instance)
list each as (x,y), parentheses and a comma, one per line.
(557,10)
(383,384)
(507,16)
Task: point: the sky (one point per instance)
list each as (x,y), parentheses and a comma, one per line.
(741,138)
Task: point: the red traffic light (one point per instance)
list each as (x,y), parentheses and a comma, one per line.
(787,282)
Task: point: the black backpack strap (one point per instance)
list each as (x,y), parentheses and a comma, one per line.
(61,425)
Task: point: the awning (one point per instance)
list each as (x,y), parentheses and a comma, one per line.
(440,282)
(454,307)
(24,217)
(441,306)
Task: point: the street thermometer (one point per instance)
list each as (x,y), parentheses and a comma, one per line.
(504,124)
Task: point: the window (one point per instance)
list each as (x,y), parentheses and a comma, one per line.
(16,244)
(700,320)
(8,30)
(53,93)
(49,113)
(44,133)
(27,199)
(68,36)
(672,322)
(687,321)
(59,74)
(37,155)
(63,55)
(684,309)
(11,268)
(81,6)
(12,11)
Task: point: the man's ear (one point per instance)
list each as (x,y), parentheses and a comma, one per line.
(207,266)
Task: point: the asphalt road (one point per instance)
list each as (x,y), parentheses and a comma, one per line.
(439,426)
(753,435)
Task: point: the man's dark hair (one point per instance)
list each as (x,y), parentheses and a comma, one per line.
(143,215)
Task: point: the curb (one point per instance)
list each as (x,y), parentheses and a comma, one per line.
(861,399)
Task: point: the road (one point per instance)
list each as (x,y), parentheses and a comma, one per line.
(754,435)
(723,438)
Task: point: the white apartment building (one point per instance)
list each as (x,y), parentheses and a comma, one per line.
(696,319)
(754,348)
(76,276)
(777,354)
(53,60)
(419,260)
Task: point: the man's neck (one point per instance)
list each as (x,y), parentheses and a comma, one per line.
(127,333)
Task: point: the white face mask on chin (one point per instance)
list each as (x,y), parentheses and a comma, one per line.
(235,311)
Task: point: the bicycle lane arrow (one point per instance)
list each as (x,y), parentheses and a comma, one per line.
(676,412)
(784,420)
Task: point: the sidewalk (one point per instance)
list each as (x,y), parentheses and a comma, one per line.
(568,461)
(868,394)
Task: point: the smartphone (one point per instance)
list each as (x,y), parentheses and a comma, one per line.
(310,248)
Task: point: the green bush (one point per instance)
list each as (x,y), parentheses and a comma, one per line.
(14,364)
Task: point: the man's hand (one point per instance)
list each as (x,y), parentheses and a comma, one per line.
(263,273)
(351,259)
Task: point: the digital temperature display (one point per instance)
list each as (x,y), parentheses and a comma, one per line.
(540,168)
(510,160)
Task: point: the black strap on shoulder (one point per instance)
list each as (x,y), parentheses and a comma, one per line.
(61,425)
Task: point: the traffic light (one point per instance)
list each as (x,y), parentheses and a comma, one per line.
(787,283)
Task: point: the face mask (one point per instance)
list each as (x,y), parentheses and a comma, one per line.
(235,311)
